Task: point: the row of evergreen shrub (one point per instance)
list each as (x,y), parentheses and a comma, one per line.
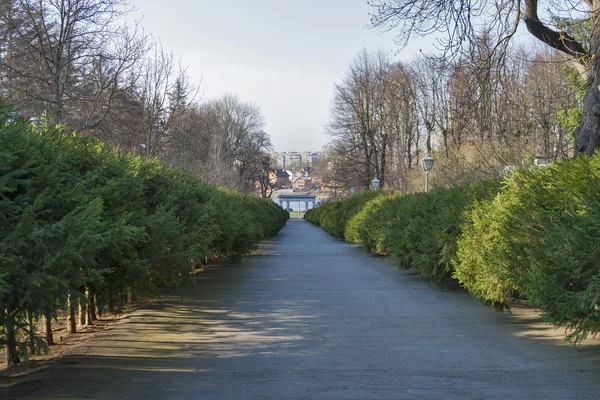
(81,223)
(534,236)
(539,238)
(333,216)
(418,231)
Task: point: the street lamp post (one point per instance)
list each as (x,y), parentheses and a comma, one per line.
(427,163)
(375,183)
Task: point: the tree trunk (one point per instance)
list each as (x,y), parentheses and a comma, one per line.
(445,136)
(417,152)
(71,321)
(82,312)
(111,305)
(92,308)
(11,343)
(408,151)
(428,143)
(49,335)
(587,136)
(383,164)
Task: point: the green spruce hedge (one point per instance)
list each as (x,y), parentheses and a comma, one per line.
(83,224)
(418,231)
(539,239)
(333,216)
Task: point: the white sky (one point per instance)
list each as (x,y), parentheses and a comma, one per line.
(282,55)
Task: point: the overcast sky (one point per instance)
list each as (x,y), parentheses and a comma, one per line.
(282,55)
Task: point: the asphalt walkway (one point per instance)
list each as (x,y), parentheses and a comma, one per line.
(309,317)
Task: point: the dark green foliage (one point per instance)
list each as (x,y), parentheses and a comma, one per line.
(369,227)
(335,215)
(76,216)
(539,239)
(424,232)
(418,231)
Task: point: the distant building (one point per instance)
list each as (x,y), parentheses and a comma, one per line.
(314,159)
(295,160)
(302,183)
(279,178)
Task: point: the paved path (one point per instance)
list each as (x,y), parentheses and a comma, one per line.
(309,317)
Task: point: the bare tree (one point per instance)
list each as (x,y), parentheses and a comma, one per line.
(476,117)
(261,176)
(358,124)
(189,147)
(505,117)
(164,93)
(404,121)
(224,141)
(68,58)
(430,84)
(457,21)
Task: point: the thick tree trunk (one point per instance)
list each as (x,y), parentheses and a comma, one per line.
(49,335)
(72,321)
(587,139)
(92,308)
(587,136)
(82,312)
(111,305)
(11,344)
(428,142)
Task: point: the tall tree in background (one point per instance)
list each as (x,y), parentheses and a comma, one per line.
(164,93)
(477,118)
(223,140)
(359,120)
(261,176)
(237,138)
(457,21)
(405,124)
(75,62)
(67,58)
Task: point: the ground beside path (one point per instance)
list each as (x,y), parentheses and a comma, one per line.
(309,317)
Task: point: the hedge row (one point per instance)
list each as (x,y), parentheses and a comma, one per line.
(539,239)
(334,215)
(534,237)
(81,224)
(418,231)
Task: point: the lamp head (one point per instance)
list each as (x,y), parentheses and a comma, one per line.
(376,183)
(427,163)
